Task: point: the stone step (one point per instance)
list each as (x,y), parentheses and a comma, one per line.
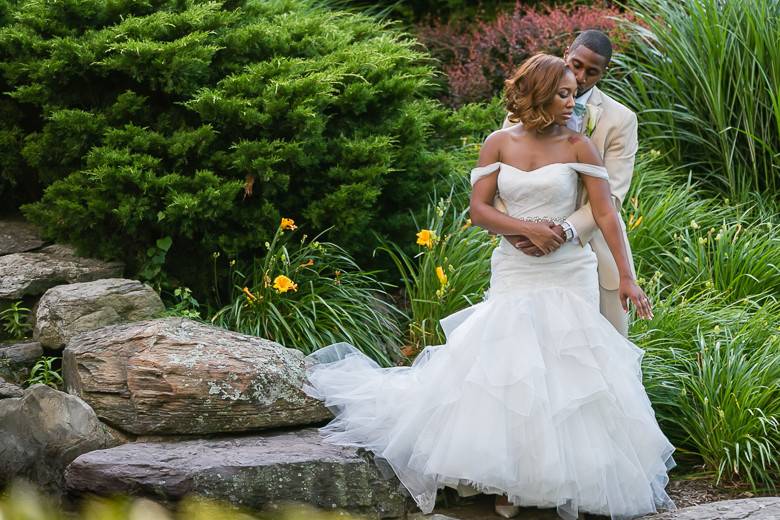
(31,273)
(174,376)
(66,310)
(760,508)
(251,471)
(18,236)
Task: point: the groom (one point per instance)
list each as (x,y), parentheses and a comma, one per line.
(613,129)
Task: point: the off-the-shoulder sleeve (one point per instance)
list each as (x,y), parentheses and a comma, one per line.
(590,169)
(480,171)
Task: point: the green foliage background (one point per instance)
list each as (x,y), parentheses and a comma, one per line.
(705,76)
(143,120)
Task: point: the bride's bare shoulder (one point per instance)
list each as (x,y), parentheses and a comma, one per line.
(496,140)
(571,136)
(585,150)
(499,135)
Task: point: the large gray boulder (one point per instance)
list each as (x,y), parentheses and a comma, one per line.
(248,471)
(42,432)
(8,390)
(764,508)
(31,273)
(18,236)
(178,376)
(17,358)
(66,310)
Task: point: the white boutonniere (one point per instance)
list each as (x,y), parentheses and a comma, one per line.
(593,112)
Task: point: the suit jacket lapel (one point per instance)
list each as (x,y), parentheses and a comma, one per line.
(594,99)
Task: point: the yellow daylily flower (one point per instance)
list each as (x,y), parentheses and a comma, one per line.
(426,237)
(441,275)
(283,284)
(288,223)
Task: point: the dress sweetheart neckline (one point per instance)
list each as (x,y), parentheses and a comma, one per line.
(584,168)
(535,169)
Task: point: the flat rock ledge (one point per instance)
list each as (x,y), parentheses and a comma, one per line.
(174,376)
(66,310)
(251,471)
(18,236)
(762,508)
(31,273)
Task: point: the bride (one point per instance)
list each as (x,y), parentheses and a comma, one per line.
(535,395)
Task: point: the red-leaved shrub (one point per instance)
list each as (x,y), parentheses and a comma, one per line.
(478,57)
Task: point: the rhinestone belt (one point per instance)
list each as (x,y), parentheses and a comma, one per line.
(558,220)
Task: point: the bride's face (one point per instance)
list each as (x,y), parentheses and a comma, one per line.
(562,105)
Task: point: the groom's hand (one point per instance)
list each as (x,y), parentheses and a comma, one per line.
(523,244)
(526,246)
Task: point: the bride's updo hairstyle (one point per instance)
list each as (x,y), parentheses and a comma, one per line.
(529,91)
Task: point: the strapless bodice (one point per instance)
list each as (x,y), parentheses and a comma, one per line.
(548,192)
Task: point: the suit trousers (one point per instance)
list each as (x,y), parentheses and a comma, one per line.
(609,305)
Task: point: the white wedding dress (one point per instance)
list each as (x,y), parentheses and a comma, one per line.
(534,394)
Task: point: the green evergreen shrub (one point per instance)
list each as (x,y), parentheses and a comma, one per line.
(207,121)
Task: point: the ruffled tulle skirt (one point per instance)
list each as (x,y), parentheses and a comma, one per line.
(534,395)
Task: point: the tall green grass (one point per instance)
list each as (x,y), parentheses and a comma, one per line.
(700,242)
(309,293)
(705,77)
(712,372)
(460,252)
(712,352)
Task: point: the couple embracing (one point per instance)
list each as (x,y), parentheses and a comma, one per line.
(536,396)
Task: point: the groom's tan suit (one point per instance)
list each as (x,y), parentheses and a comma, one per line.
(615,136)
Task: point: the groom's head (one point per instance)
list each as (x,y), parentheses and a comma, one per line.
(588,57)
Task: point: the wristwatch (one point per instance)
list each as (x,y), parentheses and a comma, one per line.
(568,231)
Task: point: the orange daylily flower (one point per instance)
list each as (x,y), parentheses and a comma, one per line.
(408,350)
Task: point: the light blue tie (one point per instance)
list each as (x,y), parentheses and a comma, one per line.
(579,109)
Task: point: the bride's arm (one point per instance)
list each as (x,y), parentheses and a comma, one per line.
(484,215)
(606,217)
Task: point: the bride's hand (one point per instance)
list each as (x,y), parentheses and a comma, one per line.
(630,290)
(544,237)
